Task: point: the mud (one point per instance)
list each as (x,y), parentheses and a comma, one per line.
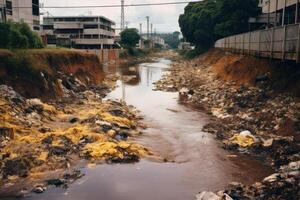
(248,117)
(186,159)
(37,137)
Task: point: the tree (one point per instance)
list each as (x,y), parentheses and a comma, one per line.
(229,22)
(171,39)
(18,35)
(204,22)
(4,35)
(130,37)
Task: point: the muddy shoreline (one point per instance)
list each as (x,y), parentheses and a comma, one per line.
(252,119)
(43,144)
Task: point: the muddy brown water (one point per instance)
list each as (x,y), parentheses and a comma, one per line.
(196,161)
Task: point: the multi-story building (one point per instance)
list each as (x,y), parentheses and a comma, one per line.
(270,6)
(286,11)
(83,32)
(21,10)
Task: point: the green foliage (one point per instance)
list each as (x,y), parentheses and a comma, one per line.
(190,54)
(171,39)
(130,37)
(18,36)
(134,52)
(204,22)
(19,65)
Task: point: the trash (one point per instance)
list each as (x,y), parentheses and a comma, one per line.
(207,196)
(244,139)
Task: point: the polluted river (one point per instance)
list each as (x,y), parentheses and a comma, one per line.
(192,160)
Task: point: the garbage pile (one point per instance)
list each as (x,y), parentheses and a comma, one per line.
(252,119)
(37,137)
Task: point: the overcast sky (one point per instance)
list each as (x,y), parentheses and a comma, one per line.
(164,18)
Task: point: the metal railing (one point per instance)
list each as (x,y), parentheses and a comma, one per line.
(276,43)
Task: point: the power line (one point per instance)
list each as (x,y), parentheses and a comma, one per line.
(116,5)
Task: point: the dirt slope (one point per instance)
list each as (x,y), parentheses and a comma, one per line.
(39,73)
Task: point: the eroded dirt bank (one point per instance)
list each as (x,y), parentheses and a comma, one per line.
(43,73)
(42,140)
(255,110)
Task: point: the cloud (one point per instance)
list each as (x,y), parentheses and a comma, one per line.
(164,18)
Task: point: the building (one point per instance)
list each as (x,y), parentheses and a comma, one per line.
(154,41)
(185,46)
(82,32)
(21,11)
(280,11)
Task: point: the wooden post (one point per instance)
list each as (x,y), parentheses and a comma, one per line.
(249,49)
(283,13)
(243,51)
(235,44)
(298,46)
(283,44)
(272,43)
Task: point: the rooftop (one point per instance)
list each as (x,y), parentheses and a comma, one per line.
(81,17)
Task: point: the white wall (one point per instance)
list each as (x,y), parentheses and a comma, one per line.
(265,5)
(23,14)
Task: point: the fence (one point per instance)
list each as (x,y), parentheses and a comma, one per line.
(279,43)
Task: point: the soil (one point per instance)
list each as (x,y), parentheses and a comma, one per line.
(254,111)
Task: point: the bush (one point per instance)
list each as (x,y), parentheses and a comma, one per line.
(19,65)
(190,54)
(18,36)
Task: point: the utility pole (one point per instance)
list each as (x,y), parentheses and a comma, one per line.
(147,27)
(141,26)
(127,24)
(151,35)
(122,16)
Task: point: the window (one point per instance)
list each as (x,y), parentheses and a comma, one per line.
(48,27)
(35,8)
(90,26)
(9,7)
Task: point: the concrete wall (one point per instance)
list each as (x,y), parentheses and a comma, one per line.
(280,43)
(106,55)
(22,11)
(265,5)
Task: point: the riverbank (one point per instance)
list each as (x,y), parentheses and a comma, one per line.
(54,117)
(189,160)
(251,113)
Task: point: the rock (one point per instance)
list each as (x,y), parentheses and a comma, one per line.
(112,133)
(56,182)
(207,196)
(17,166)
(268,143)
(105,126)
(117,112)
(58,150)
(130,158)
(7,132)
(39,189)
(262,78)
(74,120)
(271,178)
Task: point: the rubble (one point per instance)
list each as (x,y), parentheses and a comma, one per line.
(36,137)
(250,118)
